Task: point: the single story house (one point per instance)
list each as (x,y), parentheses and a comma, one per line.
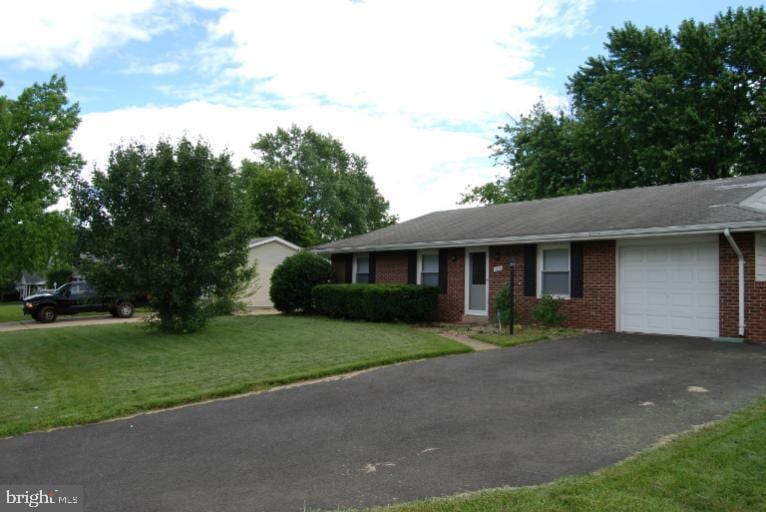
(29,284)
(687,259)
(266,254)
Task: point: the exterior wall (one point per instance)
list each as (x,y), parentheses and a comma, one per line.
(266,257)
(596,309)
(755,291)
(452,303)
(391,267)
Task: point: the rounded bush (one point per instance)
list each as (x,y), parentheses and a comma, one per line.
(293,279)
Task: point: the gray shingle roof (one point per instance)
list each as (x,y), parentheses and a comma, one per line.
(694,207)
(31,278)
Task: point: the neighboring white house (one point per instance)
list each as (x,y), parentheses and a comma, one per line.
(266,253)
(29,284)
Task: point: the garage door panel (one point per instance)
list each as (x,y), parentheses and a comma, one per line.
(709,302)
(669,288)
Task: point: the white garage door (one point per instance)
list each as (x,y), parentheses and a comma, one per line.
(669,287)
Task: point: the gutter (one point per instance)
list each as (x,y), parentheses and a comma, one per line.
(697,229)
(740,282)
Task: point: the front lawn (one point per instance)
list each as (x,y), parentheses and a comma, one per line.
(11,312)
(719,468)
(72,375)
(522,334)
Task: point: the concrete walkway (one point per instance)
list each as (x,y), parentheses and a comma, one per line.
(478,346)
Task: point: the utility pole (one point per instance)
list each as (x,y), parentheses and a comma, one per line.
(512,267)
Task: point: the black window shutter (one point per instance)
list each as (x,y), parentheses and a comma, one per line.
(443,254)
(530,270)
(576,269)
(412,267)
(372,267)
(349,267)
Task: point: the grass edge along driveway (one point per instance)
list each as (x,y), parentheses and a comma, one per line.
(719,467)
(76,375)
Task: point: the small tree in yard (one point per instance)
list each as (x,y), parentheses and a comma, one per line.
(165,221)
(293,280)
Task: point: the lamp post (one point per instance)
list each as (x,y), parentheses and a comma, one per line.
(512,267)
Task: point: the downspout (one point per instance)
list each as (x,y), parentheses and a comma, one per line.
(741,280)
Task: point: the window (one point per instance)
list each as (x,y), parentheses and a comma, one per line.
(80,289)
(760,256)
(429,269)
(554,271)
(362,268)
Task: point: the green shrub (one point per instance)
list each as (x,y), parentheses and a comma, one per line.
(547,311)
(293,279)
(502,303)
(376,302)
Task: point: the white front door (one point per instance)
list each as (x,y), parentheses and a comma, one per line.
(476,282)
(669,286)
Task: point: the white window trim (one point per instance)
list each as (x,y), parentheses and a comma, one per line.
(546,247)
(421,253)
(467,282)
(760,256)
(353,266)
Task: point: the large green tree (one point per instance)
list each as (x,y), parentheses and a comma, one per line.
(660,107)
(340,198)
(37,165)
(274,200)
(166,221)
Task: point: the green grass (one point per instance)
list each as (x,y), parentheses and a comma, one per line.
(523,334)
(72,375)
(11,312)
(719,468)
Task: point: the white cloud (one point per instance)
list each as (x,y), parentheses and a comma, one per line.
(417,169)
(47,33)
(417,87)
(431,60)
(157,69)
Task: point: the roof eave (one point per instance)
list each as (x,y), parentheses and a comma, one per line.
(270,239)
(697,229)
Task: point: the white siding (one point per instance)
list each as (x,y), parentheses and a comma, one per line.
(760,256)
(266,258)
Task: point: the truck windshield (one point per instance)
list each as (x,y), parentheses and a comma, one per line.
(62,289)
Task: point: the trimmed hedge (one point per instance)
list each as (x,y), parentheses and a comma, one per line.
(376,302)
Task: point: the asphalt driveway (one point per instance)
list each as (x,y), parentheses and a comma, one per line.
(517,416)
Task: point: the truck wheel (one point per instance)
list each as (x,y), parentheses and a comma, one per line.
(124,310)
(47,315)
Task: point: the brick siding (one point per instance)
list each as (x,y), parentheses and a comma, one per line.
(594,310)
(391,267)
(451,304)
(755,291)
(597,308)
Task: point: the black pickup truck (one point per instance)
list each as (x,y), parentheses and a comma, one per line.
(78,297)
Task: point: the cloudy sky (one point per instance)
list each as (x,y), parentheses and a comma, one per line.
(419,87)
